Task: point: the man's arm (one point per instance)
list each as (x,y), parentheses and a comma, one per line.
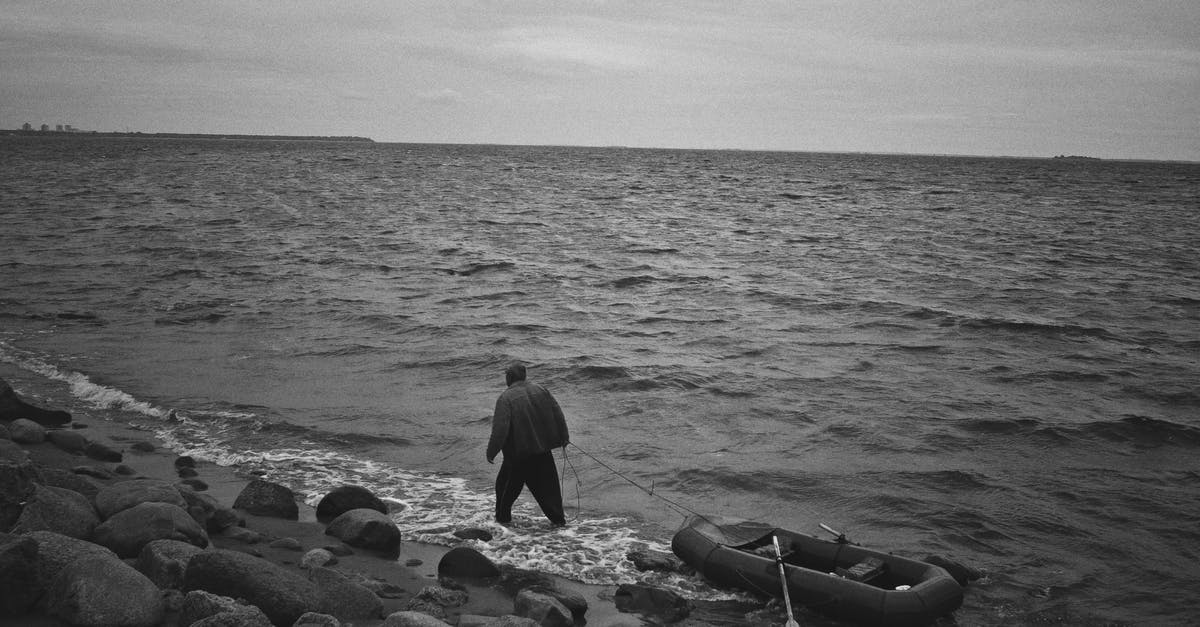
(501,421)
(560,420)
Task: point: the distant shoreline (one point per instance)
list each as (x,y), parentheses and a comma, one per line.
(209,136)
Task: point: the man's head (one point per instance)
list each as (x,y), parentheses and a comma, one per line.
(515,372)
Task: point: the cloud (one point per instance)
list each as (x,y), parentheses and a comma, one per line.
(602,46)
(443,95)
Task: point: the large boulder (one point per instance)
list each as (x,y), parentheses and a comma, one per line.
(13,453)
(60,510)
(25,431)
(104,591)
(165,561)
(19,588)
(18,476)
(69,440)
(123,495)
(13,408)
(263,498)
(366,529)
(280,593)
(342,598)
(345,498)
(55,551)
(466,563)
(128,531)
(63,478)
(204,608)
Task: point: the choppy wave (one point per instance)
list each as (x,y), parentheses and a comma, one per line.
(81,386)
(945,351)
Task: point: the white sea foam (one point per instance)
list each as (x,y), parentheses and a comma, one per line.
(431,506)
(81,387)
(589,550)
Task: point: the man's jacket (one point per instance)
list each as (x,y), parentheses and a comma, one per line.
(527,421)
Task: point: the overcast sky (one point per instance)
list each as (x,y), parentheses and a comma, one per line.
(1106,78)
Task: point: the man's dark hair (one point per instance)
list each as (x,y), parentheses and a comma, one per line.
(515,372)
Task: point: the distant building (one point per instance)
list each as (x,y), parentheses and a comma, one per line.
(27,127)
(45,128)
(58,128)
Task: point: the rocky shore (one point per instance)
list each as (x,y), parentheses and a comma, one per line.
(100,526)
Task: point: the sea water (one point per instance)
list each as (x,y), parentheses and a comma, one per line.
(990,359)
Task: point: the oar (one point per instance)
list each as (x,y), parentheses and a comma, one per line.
(841,537)
(787,599)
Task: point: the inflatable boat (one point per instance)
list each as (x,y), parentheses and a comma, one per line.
(836,578)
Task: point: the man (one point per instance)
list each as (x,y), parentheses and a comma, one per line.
(527,426)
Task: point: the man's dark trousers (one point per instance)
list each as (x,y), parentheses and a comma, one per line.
(540,475)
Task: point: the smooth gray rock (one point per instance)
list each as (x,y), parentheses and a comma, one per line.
(466,563)
(342,598)
(483,535)
(165,561)
(318,558)
(283,595)
(290,544)
(543,608)
(367,529)
(263,498)
(123,495)
(63,478)
(19,589)
(345,498)
(68,440)
(25,431)
(94,472)
(56,551)
(200,608)
(13,453)
(60,510)
(128,531)
(104,591)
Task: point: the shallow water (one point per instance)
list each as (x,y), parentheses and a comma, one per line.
(992,359)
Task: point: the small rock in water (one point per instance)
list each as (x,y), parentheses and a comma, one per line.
(474,534)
